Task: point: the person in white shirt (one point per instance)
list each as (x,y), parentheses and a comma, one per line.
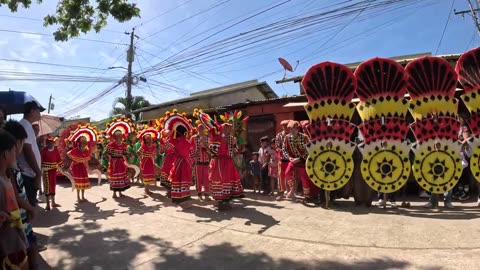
(29,161)
(265,153)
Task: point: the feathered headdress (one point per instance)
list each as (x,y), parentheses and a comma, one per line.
(206,121)
(149,131)
(87,131)
(123,124)
(173,120)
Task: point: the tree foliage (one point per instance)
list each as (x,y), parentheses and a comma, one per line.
(138,102)
(80,16)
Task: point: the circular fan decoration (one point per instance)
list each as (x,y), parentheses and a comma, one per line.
(330,168)
(437,170)
(386,169)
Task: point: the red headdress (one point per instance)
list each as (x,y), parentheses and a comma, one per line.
(206,121)
(123,124)
(173,119)
(155,134)
(87,131)
(52,138)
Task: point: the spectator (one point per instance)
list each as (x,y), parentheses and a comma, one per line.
(27,212)
(265,153)
(13,244)
(254,167)
(3,116)
(29,161)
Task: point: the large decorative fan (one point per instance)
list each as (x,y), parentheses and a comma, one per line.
(381,90)
(329,88)
(431,83)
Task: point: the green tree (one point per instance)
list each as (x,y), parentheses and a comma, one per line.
(80,16)
(138,102)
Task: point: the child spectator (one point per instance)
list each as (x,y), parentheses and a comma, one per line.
(13,244)
(254,167)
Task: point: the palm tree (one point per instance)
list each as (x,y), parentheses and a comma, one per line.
(138,102)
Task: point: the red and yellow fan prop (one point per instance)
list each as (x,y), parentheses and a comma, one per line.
(329,88)
(431,83)
(468,70)
(174,119)
(383,109)
(122,124)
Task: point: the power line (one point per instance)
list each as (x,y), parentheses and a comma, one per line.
(50,35)
(445,27)
(188,18)
(50,64)
(148,83)
(282,29)
(163,13)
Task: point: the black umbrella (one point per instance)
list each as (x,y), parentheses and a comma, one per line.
(14,101)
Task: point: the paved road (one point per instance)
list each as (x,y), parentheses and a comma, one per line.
(141,232)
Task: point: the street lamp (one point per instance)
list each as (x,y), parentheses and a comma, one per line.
(117,67)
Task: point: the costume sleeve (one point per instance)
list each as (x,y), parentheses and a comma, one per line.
(278,141)
(140,151)
(284,148)
(303,147)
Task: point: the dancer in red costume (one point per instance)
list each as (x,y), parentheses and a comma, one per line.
(168,159)
(181,173)
(295,149)
(148,154)
(80,155)
(117,152)
(51,162)
(224,177)
(201,157)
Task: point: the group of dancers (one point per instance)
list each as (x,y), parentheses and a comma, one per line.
(202,155)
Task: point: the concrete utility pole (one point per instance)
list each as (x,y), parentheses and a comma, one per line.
(473,11)
(130,59)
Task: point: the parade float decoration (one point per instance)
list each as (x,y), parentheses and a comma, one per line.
(468,70)
(381,88)
(431,84)
(329,88)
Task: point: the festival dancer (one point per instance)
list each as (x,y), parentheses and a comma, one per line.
(51,163)
(295,149)
(148,155)
(201,157)
(284,159)
(133,146)
(224,177)
(80,155)
(180,176)
(177,146)
(168,159)
(117,152)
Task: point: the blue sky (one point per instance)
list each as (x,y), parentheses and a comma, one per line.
(359,36)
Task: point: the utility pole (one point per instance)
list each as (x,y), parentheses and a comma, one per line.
(130,59)
(49,103)
(473,12)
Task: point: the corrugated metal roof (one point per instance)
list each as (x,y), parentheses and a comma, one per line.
(264,88)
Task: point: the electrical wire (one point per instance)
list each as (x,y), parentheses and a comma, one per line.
(188,18)
(50,35)
(50,64)
(163,13)
(445,27)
